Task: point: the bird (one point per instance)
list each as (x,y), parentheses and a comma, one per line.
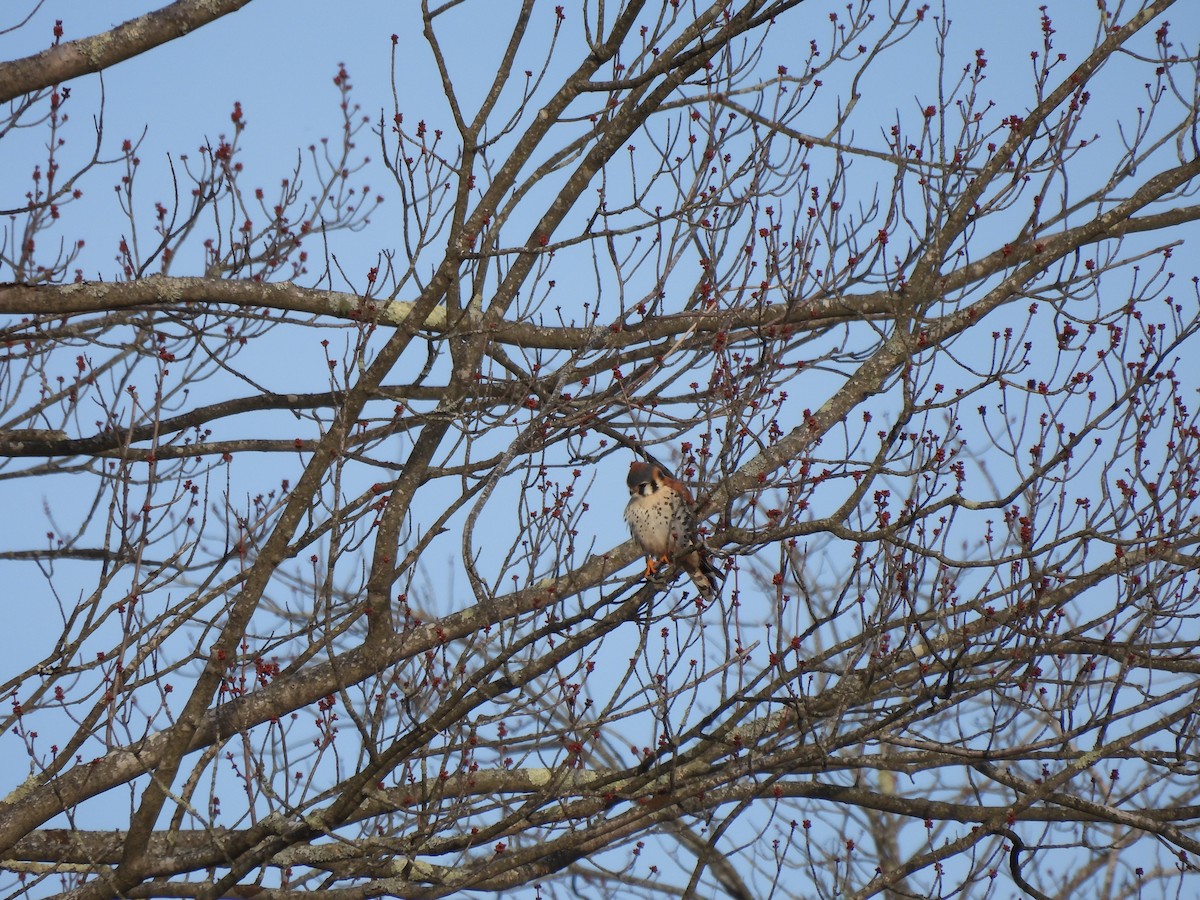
(662,518)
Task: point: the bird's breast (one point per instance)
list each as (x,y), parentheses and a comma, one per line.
(650,523)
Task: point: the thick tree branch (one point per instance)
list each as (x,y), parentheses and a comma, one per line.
(99,52)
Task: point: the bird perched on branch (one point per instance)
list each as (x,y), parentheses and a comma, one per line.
(662,517)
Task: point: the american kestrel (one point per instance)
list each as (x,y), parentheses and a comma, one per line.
(662,517)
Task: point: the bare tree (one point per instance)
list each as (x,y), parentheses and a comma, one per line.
(911,330)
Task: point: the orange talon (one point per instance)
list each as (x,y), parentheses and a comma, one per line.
(652,564)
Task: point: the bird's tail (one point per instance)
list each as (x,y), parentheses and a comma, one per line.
(705,575)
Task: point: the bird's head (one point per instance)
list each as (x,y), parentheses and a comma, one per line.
(643,478)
